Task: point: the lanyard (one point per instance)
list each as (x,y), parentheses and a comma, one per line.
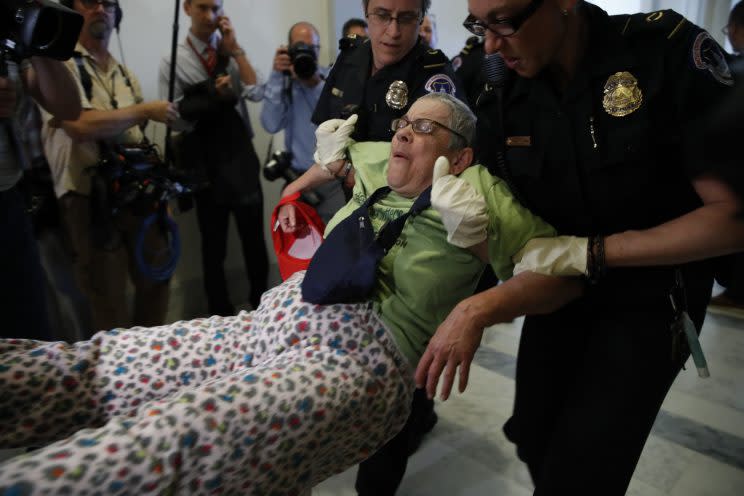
(204,62)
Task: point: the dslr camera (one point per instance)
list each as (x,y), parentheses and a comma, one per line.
(38,28)
(304,59)
(280,166)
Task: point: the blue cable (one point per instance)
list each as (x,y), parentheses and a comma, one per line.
(165,271)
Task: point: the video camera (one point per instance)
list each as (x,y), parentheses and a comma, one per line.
(304,59)
(280,166)
(135,177)
(38,27)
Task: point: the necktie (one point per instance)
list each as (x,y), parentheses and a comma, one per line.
(211,59)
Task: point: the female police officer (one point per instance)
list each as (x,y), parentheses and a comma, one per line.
(598,126)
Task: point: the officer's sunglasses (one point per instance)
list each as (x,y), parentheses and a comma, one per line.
(422,126)
(505,26)
(109,5)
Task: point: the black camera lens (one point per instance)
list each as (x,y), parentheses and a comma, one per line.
(278,166)
(304,60)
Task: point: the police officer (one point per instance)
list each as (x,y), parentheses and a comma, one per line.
(378,78)
(599,137)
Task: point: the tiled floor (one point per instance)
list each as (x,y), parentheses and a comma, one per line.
(696,447)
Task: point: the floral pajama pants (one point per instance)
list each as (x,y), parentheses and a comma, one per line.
(267,403)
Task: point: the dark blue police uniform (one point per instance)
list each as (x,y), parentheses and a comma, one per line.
(615,151)
(350,89)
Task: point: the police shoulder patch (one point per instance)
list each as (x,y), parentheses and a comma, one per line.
(708,56)
(440,83)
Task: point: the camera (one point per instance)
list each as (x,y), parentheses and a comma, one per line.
(280,166)
(38,27)
(134,176)
(304,59)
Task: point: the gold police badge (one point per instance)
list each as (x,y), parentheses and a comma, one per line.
(622,96)
(397,95)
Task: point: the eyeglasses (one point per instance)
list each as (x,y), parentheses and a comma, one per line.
(383,18)
(109,5)
(505,26)
(422,126)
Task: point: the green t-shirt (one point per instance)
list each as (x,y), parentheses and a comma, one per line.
(423,277)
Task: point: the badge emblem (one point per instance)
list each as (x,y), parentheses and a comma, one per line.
(397,95)
(622,96)
(440,83)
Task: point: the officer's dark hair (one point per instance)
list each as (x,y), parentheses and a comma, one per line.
(425,4)
(461,119)
(352,23)
(737,14)
(289,33)
(70,4)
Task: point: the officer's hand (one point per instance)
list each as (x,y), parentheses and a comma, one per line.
(333,137)
(463,210)
(452,346)
(7,98)
(223,86)
(287,218)
(229,42)
(282,62)
(161,111)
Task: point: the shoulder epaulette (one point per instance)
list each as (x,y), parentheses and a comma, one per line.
(470,43)
(433,58)
(662,23)
(349,42)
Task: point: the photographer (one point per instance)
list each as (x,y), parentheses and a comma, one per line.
(113,114)
(291,93)
(213,79)
(22,301)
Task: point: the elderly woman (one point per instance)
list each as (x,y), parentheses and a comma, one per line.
(275,400)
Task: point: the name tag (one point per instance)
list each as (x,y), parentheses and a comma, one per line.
(519,141)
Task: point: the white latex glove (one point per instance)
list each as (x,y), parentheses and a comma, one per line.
(332,139)
(559,256)
(463,210)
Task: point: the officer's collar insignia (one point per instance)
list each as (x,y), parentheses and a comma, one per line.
(622,96)
(337,92)
(440,83)
(655,16)
(708,56)
(397,95)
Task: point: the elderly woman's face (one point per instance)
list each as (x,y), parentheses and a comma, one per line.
(413,154)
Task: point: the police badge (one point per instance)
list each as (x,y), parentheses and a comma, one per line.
(397,95)
(622,96)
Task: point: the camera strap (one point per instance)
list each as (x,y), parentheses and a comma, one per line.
(87,82)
